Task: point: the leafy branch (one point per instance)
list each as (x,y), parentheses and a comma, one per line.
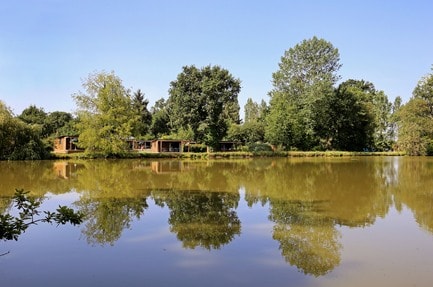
(29,214)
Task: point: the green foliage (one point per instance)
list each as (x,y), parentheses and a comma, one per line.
(204,100)
(249,132)
(45,124)
(252,111)
(259,147)
(185,133)
(429,148)
(69,128)
(29,214)
(347,118)
(282,127)
(197,148)
(56,122)
(424,91)
(106,115)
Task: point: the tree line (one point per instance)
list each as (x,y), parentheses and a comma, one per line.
(309,108)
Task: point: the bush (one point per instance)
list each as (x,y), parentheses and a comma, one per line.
(197,148)
(258,147)
(429,148)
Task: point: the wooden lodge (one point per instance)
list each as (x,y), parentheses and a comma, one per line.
(66,144)
(167,145)
(139,145)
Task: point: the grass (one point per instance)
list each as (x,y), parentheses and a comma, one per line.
(341,153)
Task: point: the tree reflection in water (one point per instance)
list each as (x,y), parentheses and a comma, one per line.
(308,239)
(108,217)
(308,198)
(206,219)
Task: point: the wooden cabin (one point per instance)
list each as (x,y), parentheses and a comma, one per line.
(144,145)
(66,144)
(167,145)
(139,145)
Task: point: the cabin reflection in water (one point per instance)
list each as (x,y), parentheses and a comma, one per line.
(168,166)
(66,170)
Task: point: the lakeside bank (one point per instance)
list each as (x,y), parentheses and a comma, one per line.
(235,154)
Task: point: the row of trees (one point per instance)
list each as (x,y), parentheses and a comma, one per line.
(309,109)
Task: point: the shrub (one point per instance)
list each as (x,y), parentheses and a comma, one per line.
(258,147)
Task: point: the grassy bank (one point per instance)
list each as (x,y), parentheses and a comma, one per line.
(216,155)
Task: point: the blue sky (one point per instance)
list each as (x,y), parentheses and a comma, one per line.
(48,46)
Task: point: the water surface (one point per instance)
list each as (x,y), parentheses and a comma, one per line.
(258,222)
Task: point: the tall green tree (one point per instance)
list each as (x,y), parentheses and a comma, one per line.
(424,91)
(393,131)
(253,128)
(415,131)
(36,118)
(56,121)
(347,118)
(46,124)
(263,111)
(106,114)
(251,111)
(415,120)
(33,115)
(382,108)
(307,73)
(160,121)
(205,101)
(140,103)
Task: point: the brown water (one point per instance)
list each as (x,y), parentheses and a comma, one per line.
(261,222)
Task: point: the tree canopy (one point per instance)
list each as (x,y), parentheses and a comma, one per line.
(106,114)
(306,75)
(140,105)
(415,120)
(18,140)
(204,101)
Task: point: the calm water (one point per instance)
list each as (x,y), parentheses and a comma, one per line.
(262,222)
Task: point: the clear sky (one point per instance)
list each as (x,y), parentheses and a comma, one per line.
(48,46)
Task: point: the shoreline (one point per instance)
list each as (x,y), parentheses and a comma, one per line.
(217,155)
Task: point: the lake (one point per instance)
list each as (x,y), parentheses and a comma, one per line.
(355,221)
